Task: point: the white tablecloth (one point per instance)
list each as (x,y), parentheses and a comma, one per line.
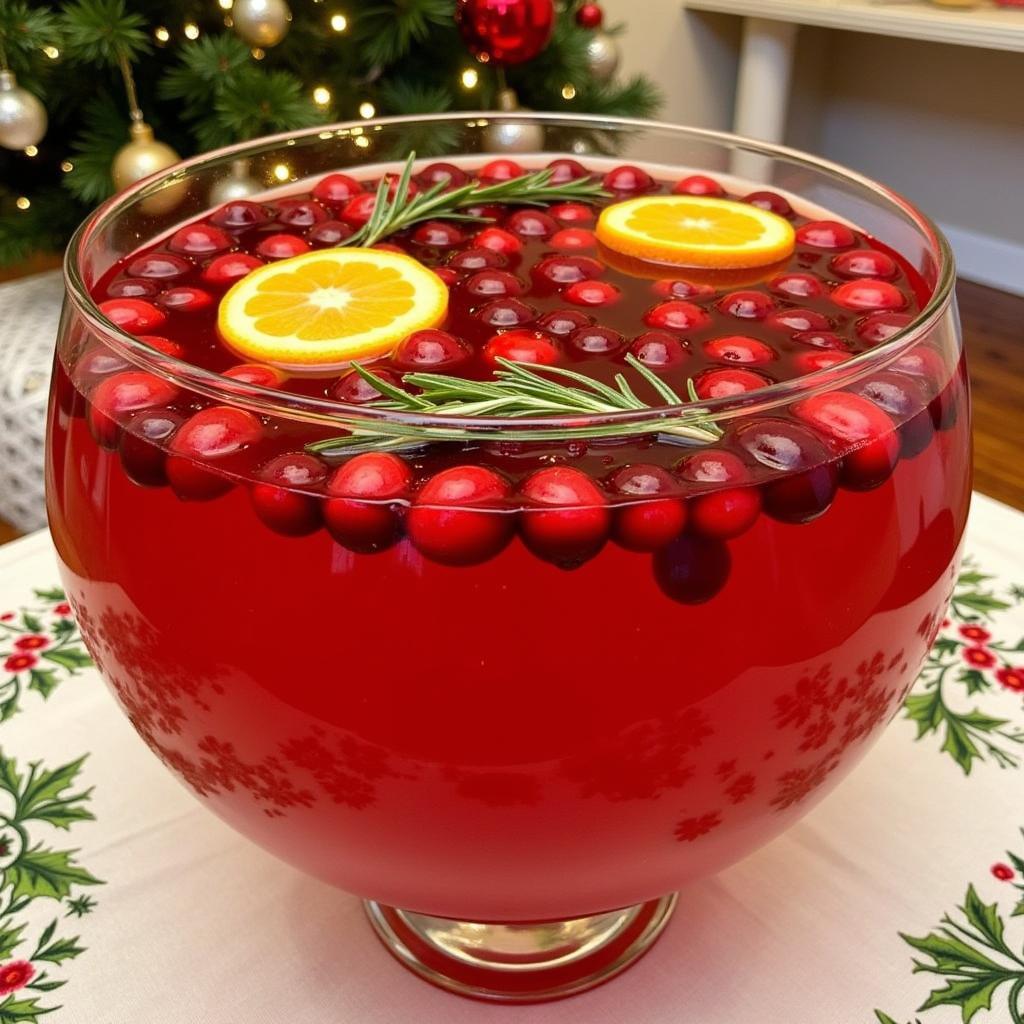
(163,915)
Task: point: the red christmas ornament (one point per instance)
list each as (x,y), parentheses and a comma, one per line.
(590,16)
(505,31)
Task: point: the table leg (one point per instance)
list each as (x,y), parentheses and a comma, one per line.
(762,90)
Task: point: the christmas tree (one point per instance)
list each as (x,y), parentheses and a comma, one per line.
(207,73)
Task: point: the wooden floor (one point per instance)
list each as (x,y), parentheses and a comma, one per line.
(994,333)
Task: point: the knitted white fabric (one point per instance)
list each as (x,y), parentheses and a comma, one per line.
(29,311)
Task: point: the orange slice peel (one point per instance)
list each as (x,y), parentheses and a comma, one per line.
(696,231)
(324,310)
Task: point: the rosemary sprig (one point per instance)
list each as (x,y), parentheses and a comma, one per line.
(403,209)
(521,390)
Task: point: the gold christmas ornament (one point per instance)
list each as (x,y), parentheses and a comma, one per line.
(22,116)
(510,136)
(142,156)
(261,23)
(236,184)
(602,56)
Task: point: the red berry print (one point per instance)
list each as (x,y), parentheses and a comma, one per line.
(566,520)
(1011,678)
(521,347)
(32,642)
(62,609)
(977,634)
(592,293)
(726,383)
(15,974)
(135,316)
(651,522)
(281,498)
(825,234)
(677,315)
(1003,872)
(628,179)
(362,513)
(212,437)
(336,190)
(20,662)
(430,349)
(868,295)
(500,170)
(979,657)
(498,240)
(199,240)
(226,270)
(460,516)
(698,185)
(282,247)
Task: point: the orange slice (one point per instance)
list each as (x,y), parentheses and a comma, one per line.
(696,231)
(324,310)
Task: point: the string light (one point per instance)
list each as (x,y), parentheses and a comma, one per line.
(161,34)
(339,22)
(22,202)
(568,91)
(362,141)
(470,78)
(367,110)
(281,172)
(191,30)
(226,5)
(258,53)
(31,151)
(52,52)
(66,165)
(321,95)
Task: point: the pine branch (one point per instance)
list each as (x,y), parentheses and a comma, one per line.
(103,32)
(564,60)
(203,69)
(44,226)
(258,102)
(388,31)
(104,134)
(638,97)
(401,96)
(24,31)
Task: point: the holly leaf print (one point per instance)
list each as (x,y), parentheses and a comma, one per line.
(9,777)
(43,680)
(984,917)
(10,940)
(54,595)
(31,623)
(63,628)
(70,658)
(973,680)
(945,645)
(982,602)
(970,994)
(22,1011)
(971,578)
(59,951)
(45,786)
(9,708)
(40,872)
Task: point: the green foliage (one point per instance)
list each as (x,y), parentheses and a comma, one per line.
(102,31)
(24,31)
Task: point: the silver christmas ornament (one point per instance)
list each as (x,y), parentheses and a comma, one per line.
(261,22)
(22,116)
(602,56)
(236,184)
(511,136)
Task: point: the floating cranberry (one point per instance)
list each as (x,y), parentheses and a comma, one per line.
(476,259)
(809,484)
(698,185)
(500,170)
(881,327)
(569,239)
(393,180)
(136,316)
(562,322)
(99,361)
(726,383)
(198,240)
(505,313)
(822,339)
(868,295)
(362,512)
(825,234)
(628,178)
(448,174)
(793,320)
(239,215)
(572,213)
(358,210)
(677,315)
(692,569)
(746,305)
(212,437)
(927,365)
(521,347)
(115,397)
(438,233)
(486,211)
(430,349)
(336,190)
(770,201)
(596,341)
(132,288)
(864,263)
(678,289)
(797,286)
(353,389)
(300,213)
(859,431)
(561,270)
(591,293)
(566,520)
(811,362)
(564,170)
(499,240)
(531,224)
(726,512)
(159,266)
(493,284)
(278,497)
(388,247)
(329,233)
(905,399)
(659,350)
(460,516)
(738,348)
(282,247)
(226,270)
(256,373)
(652,522)
(143,445)
(185,299)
